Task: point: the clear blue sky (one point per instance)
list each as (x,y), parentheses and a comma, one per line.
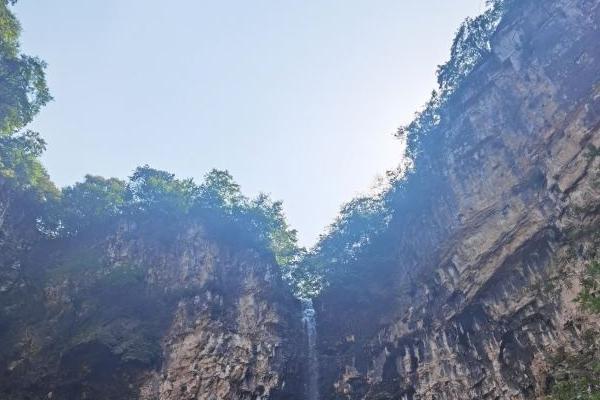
(295,98)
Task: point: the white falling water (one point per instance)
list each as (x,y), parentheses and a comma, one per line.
(310,327)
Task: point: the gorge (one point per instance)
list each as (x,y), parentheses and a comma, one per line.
(312,364)
(474,275)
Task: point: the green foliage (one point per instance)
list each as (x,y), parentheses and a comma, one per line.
(155,195)
(91,202)
(149,195)
(579,389)
(358,222)
(220,191)
(27,195)
(589,297)
(159,191)
(19,163)
(356,227)
(24,90)
(471,45)
(267,221)
(260,221)
(9,32)
(576,376)
(357,232)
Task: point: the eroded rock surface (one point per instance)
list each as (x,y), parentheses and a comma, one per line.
(476,293)
(470,296)
(137,313)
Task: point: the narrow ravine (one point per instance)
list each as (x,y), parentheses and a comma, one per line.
(310,327)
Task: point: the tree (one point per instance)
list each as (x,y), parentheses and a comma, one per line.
(152,190)
(589,297)
(91,202)
(267,220)
(23,91)
(470,47)
(19,162)
(220,191)
(260,221)
(22,79)
(358,222)
(26,192)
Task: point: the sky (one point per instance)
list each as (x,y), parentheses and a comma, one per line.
(298,99)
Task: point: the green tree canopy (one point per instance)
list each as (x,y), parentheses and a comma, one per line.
(159,191)
(217,203)
(91,202)
(23,91)
(22,79)
(220,191)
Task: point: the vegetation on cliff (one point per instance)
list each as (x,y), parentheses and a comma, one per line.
(97,202)
(362,236)
(363,230)
(577,376)
(589,297)
(23,93)
(218,202)
(76,320)
(151,194)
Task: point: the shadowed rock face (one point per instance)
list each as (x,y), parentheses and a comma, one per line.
(135,313)
(489,245)
(470,297)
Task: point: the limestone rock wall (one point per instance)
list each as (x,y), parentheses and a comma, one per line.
(486,264)
(148,312)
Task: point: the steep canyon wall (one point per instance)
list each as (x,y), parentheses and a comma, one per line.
(475,296)
(145,311)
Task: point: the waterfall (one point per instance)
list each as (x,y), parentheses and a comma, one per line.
(310,327)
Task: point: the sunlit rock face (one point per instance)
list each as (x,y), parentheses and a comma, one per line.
(471,296)
(149,312)
(490,245)
(232,342)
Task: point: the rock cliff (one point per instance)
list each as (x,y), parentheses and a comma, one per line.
(469,293)
(474,297)
(143,311)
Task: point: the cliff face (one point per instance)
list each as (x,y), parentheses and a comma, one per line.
(468,295)
(492,239)
(147,312)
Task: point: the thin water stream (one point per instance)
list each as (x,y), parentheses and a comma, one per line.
(310,327)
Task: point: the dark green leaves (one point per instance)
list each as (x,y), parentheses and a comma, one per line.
(470,47)
(153,195)
(20,167)
(589,297)
(91,202)
(219,190)
(22,79)
(159,191)
(23,92)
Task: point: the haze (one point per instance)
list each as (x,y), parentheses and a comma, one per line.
(298,99)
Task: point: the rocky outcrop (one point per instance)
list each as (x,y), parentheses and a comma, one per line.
(149,310)
(475,294)
(17,232)
(468,294)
